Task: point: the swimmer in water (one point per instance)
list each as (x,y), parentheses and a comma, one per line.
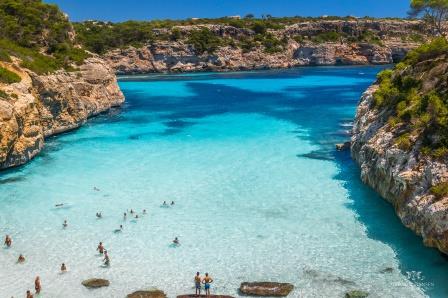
(63,268)
(172,203)
(29,295)
(8,241)
(21,259)
(136,216)
(164,203)
(100,248)
(144,211)
(65,224)
(132,211)
(124,216)
(37,285)
(59,205)
(106,258)
(96,188)
(98,215)
(176,241)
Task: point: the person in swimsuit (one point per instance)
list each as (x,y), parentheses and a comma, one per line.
(124,216)
(59,205)
(172,203)
(63,268)
(98,215)
(29,295)
(37,285)
(132,211)
(8,241)
(65,224)
(144,211)
(100,248)
(197,284)
(176,241)
(207,281)
(164,203)
(106,259)
(21,259)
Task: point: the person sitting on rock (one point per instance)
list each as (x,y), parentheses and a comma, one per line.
(197,284)
(207,281)
(21,259)
(63,268)
(28,294)
(100,248)
(8,241)
(37,285)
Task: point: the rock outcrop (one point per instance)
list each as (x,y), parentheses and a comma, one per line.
(404,178)
(94,283)
(179,56)
(43,105)
(153,293)
(271,289)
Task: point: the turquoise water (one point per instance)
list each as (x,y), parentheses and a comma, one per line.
(260,194)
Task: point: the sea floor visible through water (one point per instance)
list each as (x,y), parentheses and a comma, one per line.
(260,194)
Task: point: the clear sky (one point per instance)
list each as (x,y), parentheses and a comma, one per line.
(121,10)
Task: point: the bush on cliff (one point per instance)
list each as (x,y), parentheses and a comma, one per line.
(39,34)
(8,77)
(416,110)
(204,40)
(440,190)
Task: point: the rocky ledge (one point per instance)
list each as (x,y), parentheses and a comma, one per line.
(43,105)
(403,178)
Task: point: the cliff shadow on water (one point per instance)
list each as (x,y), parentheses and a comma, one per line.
(425,267)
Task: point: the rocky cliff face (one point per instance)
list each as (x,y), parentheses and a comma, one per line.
(403,178)
(41,106)
(169,56)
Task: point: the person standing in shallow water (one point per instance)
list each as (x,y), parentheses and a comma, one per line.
(207,281)
(8,241)
(100,248)
(63,268)
(197,284)
(37,285)
(106,259)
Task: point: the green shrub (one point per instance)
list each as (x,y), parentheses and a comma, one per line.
(403,142)
(4,56)
(331,36)
(431,50)
(8,77)
(440,190)
(204,41)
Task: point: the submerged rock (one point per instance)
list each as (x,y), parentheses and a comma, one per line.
(94,283)
(266,289)
(343,146)
(356,294)
(153,293)
(203,296)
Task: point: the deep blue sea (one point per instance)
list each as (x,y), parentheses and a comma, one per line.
(260,194)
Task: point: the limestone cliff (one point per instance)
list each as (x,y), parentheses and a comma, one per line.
(43,105)
(394,40)
(406,175)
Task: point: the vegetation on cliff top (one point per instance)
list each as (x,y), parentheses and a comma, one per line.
(8,77)
(39,34)
(416,95)
(100,37)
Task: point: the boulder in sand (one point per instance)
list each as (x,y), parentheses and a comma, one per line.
(94,283)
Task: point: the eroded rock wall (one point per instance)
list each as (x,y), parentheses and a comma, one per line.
(41,106)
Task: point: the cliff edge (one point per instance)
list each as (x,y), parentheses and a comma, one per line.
(400,141)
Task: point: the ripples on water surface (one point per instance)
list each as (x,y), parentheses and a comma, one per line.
(260,194)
